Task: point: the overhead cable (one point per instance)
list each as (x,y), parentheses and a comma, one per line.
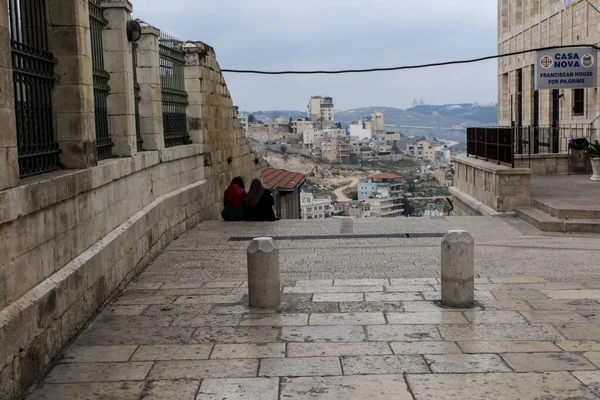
(386,69)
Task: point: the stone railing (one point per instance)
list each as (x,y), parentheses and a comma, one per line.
(483,188)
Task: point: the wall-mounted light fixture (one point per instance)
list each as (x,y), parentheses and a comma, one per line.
(134,31)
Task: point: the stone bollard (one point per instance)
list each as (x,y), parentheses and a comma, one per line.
(263,273)
(458,269)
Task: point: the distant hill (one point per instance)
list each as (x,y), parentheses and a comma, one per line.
(456,116)
(443,116)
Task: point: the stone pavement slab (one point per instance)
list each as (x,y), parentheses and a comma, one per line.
(509,346)
(301,366)
(545,362)
(180,389)
(400,333)
(250,350)
(98,372)
(381,365)
(425,348)
(578,346)
(482,332)
(373,387)
(347,319)
(423,318)
(498,386)
(580,331)
(82,354)
(240,388)
(444,363)
(337,349)
(129,390)
(323,334)
(201,369)
(172,352)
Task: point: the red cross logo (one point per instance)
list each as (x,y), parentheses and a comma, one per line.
(546,62)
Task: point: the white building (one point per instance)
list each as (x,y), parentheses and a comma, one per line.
(384,193)
(362,129)
(244,123)
(320,111)
(314,208)
(430,210)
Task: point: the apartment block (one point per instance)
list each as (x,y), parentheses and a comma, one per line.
(320,111)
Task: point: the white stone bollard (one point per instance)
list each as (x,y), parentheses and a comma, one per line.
(458,269)
(263,273)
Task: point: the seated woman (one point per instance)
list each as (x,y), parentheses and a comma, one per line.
(233,200)
(259,203)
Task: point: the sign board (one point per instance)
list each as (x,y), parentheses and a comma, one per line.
(568,68)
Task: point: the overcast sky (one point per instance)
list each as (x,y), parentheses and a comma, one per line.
(340,34)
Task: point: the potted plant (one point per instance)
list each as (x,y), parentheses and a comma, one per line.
(593,153)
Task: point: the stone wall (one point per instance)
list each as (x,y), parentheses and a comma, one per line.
(489,188)
(545,164)
(73,239)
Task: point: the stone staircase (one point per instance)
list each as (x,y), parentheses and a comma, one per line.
(550,218)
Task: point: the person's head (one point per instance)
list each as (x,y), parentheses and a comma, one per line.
(238,180)
(256,185)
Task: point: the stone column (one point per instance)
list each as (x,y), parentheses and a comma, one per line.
(73,94)
(9,164)
(263,273)
(119,64)
(458,265)
(195,54)
(148,76)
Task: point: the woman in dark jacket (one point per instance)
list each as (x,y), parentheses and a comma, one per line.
(259,203)
(233,200)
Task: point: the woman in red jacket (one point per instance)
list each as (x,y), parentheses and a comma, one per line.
(233,200)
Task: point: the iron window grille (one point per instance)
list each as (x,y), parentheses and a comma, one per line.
(33,80)
(104,143)
(174,97)
(136,91)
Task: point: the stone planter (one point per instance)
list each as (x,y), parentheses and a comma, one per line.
(596,169)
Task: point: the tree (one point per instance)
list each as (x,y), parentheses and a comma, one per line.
(251,118)
(237,110)
(290,128)
(421,102)
(415,103)
(283,148)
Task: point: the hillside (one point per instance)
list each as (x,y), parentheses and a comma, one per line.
(443,116)
(456,116)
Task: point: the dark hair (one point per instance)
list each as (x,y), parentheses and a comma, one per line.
(238,180)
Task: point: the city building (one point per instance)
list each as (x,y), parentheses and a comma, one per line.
(286,187)
(310,138)
(362,129)
(320,111)
(315,208)
(302,125)
(384,193)
(377,124)
(386,207)
(534,24)
(244,123)
(421,150)
(335,150)
(358,209)
(380,186)
(443,156)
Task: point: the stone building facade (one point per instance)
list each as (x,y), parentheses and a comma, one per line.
(74,236)
(531,24)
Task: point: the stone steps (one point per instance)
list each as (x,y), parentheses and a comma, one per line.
(566,213)
(548,223)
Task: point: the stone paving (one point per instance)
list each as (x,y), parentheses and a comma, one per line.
(357,321)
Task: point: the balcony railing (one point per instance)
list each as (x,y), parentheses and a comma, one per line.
(491,144)
(505,144)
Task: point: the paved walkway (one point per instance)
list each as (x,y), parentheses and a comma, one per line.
(358,320)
